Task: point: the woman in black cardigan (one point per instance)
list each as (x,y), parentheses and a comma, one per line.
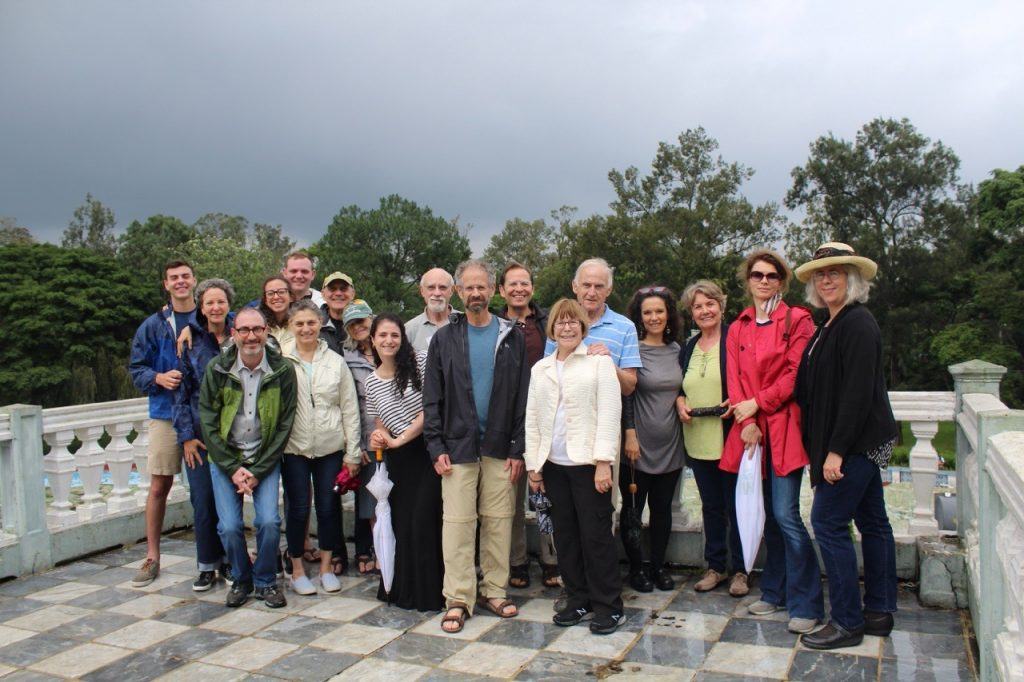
(849,432)
(704,438)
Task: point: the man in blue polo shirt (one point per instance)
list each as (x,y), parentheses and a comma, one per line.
(610,333)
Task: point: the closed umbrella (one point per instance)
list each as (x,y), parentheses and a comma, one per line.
(632,524)
(383,534)
(750,506)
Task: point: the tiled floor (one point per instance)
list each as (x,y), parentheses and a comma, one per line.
(83,621)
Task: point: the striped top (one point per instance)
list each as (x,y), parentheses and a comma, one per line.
(618,333)
(397,413)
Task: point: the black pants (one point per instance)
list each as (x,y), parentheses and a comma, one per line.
(717,490)
(587,557)
(296,472)
(656,491)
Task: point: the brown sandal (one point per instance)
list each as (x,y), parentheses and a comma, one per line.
(499,610)
(551,575)
(460,618)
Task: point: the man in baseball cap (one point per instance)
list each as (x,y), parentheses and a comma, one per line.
(338,291)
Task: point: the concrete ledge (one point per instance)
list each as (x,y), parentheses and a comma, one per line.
(943,572)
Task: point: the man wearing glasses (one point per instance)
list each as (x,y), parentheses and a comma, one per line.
(246,408)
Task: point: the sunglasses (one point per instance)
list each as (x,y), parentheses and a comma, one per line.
(652,290)
(757,276)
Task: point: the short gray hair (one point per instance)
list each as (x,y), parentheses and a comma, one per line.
(215,283)
(474,263)
(706,287)
(591,262)
(305,304)
(857,288)
(249,309)
(451,283)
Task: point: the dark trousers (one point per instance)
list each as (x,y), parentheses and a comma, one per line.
(717,488)
(587,556)
(657,491)
(856,496)
(210,552)
(296,472)
(363,537)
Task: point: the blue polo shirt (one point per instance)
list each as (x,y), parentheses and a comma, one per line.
(617,333)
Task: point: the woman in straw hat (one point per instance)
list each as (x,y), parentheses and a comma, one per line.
(849,432)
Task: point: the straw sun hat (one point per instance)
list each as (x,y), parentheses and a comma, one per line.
(836,253)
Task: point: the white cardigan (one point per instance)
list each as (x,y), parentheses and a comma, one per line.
(593,409)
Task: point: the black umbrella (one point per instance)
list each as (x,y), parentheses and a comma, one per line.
(631,522)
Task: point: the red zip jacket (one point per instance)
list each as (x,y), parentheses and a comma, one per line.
(762,364)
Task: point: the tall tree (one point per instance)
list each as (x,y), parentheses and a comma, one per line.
(11,234)
(386,250)
(92,227)
(530,242)
(222,225)
(144,248)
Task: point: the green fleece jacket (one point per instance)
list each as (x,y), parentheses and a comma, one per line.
(220,398)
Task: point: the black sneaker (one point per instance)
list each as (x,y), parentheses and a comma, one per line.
(606,625)
(640,582)
(569,617)
(226,574)
(561,602)
(205,581)
(271,596)
(238,594)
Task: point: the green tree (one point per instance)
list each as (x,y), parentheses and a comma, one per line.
(11,234)
(530,242)
(92,227)
(144,248)
(386,250)
(67,318)
(222,225)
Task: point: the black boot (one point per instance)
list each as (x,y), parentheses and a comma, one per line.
(639,581)
(878,623)
(832,636)
(662,580)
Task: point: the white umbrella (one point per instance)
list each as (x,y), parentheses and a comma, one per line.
(750,505)
(383,534)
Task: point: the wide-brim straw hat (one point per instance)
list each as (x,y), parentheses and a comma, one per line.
(836,253)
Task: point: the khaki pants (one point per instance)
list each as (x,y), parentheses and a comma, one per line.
(518,555)
(471,491)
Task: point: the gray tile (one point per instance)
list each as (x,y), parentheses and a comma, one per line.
(929,621)
(75,571)
(522,633)
(393,617)
(194,612)
(914,669)
(821,665)
(709,676)
(104,599)
(439,675)
(114,575)
(12,608)
(717,604)
(555,667)
(310,664)
(922,645)
(36,648)
(120,557)
(138,667)
(192,644)
(21,587)
(183,590)
(761,632)
(30,676)
(420,649)
(297,629)
(680,652)
(96,625)
(636,619)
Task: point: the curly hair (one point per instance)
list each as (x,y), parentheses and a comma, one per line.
(407,369)
(672,323)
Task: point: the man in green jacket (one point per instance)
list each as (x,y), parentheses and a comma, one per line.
(246,409)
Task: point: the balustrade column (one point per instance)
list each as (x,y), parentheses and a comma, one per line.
(140,450)
(90,459)
(59,466)
(119,456)
(924,465)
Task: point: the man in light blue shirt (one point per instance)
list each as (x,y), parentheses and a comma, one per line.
(610,333)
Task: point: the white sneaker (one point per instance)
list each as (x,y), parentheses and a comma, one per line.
(330,582)
(802,626)
(302,585)
(762,608)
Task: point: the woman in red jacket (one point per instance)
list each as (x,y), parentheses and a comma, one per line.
(763,351)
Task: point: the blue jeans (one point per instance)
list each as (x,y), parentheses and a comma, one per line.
(717,490)
(792,577)
(857,496)
(232,529)
(296,472)
(210,554)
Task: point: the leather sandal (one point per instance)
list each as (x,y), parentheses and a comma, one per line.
(552,578)
(499,609)
(519,576)
(460,618)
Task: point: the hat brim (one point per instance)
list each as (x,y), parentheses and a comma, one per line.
(868,268)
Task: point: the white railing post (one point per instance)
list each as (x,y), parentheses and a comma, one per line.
(119,460)
(59,466)
(24,499)
(924,465)
(140,450)
(90,459)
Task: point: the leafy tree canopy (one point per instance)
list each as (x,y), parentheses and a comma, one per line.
(144,248)
(11,234)
(92,227)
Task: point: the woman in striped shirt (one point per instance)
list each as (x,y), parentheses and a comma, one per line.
(394,398)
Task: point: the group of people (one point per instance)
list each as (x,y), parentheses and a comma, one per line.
(471,408)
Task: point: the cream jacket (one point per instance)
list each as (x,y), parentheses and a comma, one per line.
(327,409)
(593,408)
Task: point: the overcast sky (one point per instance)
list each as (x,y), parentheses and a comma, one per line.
(286,111)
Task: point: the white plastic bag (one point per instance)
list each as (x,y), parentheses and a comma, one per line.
(750,506)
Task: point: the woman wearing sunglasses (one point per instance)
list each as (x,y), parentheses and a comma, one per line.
(763,350)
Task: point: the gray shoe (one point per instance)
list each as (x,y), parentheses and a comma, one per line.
(802,626)
(147,573)
(762,608)
(561,601)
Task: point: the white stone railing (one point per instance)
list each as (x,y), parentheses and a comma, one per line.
(924,410)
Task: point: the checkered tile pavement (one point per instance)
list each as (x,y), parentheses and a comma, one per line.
(84,621)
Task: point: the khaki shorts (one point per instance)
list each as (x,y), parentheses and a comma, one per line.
(164,451)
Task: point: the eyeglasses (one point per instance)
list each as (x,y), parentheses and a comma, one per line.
(830,275)
(245,331)
(757,276)
(652,290)
(565,324)
(271,293)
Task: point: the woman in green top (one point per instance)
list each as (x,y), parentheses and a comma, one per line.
(702,361)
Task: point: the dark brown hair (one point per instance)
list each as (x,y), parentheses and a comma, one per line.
(770,257)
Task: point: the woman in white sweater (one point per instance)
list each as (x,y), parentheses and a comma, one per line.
(572,439)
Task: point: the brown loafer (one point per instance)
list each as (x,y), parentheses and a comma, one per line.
(710,581)
(738,586)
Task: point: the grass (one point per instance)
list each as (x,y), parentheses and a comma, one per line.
(944,442)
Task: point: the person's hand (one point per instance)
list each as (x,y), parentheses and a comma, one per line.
(169,379)
(729,409)
(443,465)
(598,348)
(379,439)
(683,410)
(366,457)
(536,481)
(244,481)
(632,445)
(191,450)
(751,436)
(745,410)
(514,467)
(353,469)
(184,339)
(603,477)
(833,469)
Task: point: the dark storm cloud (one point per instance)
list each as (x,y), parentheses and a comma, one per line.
(284,112)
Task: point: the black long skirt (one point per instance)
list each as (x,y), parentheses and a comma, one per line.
(416,519)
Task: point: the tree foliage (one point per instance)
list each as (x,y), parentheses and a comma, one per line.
(144,248)
(530,242)
(92,228)
(12,234)
(386,250)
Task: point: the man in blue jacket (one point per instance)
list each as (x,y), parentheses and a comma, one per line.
(154,370)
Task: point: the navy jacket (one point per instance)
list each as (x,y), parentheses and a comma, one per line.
(154,351)
(193,365)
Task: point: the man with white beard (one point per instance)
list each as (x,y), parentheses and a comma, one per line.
(436,288)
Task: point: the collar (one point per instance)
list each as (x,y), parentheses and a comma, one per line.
(777,314)
(264,366)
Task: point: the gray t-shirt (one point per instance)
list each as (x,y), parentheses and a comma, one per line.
(654,409)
